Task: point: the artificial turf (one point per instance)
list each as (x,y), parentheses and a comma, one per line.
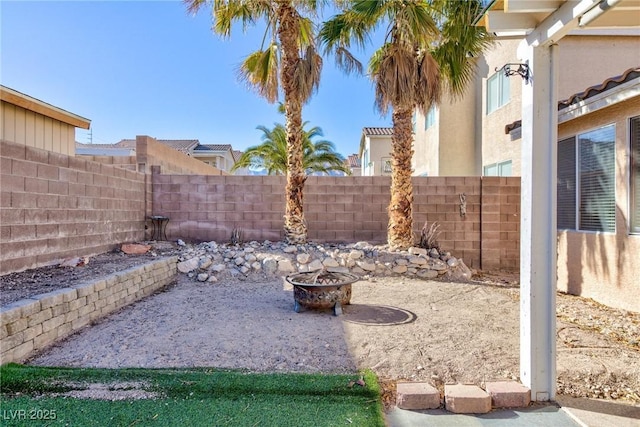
(188,397)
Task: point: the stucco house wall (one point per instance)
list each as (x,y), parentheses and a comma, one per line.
(599,265)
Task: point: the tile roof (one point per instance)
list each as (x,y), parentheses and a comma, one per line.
(353,160)
(213,147)
(606,85)
(609,83)
(377,131)
(126,143)
(236,155)
(182,145)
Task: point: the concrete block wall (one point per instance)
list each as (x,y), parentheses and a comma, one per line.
(32,324)
(344,209)
(54,206)
(500,238)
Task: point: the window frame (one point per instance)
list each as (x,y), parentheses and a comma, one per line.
(579,196)
(499,168)
(501,84)
(634,160)
(430,118)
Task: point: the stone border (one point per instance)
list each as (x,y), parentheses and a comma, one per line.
(31,324)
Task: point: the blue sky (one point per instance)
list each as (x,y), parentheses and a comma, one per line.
(149,68)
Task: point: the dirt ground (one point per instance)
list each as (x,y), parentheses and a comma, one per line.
(401,328)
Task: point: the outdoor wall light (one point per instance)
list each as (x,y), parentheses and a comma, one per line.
(512,69)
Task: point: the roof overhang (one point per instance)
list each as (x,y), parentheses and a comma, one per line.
(602,100)
(547,21)
(32,104)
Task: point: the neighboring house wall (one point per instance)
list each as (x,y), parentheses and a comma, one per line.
(604,266)
(55,206)
(149,152)
(29,121)
(375,152)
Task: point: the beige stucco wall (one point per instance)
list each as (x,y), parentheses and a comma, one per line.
(379,147)
(496,145)
(588,60)
(426,147)
(36,130)
(604,266)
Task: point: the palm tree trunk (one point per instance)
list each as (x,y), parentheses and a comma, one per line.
(295,228)
(400,229)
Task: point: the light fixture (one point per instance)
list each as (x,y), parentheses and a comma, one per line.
(520,69)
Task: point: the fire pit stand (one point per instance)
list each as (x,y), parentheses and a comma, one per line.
(321,289)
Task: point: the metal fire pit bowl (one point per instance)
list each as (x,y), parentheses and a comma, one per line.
(321,290)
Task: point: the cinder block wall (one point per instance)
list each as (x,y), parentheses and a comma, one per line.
(54,206)
(346,209)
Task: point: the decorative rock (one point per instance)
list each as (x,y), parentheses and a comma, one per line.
(330,262)
(452,262)
(461,273)
(212,279)
(256,266)
(270,265)
(418,251)
(239,261)
(417,396)
(285,266)
(205,262)
(356,254)
(418,260)
(315,265)
(427,274)
(244,269)
(188,265)
(181,242)
(438,265)
(466,399)
(402,261)
(357,270)
(249,258)
(249,250)
(202,277)
(367,265)
(433,253)
(135,248)
(290,249)
(303,258)
(218,268)
(338,269)
(399,269)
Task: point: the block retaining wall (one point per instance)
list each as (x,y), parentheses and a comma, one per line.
(32,324)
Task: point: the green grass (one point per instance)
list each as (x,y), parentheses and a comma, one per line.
(189,397)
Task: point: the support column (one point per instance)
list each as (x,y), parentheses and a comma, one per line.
(538,246)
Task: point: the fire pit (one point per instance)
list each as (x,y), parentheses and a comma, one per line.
(321,289)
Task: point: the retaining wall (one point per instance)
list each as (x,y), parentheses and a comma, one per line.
(32,324)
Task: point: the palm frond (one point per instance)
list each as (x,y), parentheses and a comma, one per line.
(307,73)
(260,71)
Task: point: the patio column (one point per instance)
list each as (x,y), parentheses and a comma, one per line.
(538,223)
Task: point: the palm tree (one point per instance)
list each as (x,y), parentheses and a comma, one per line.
(318,156)
(286,61)
(429,48)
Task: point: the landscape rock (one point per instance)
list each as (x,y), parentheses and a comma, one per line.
(303,258)
(285,266)
(330,262)
(188,265)
(315,265)
(135,248)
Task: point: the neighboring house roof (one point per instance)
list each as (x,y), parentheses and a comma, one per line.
(353,161)
(377,131)
(182,145)
(30,103)
(236,155)
(126,143)
(590,92)
(213,147)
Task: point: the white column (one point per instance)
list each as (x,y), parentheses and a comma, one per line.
(538,223)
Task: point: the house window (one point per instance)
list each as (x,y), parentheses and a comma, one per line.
(414,120)
(386,165)
(497,91)
(498,169)
(430,118)
(586,181)
(634,187)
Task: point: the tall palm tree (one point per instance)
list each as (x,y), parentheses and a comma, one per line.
(429,47)
(288,62)
(318,156)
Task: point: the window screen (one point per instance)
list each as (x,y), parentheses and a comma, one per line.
(634,190)
(597,180)
(566,205)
